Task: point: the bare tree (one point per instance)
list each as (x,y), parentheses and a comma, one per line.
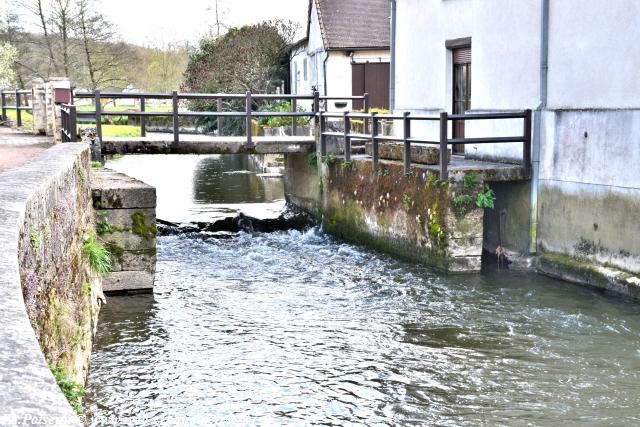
(100,48)
(63,19)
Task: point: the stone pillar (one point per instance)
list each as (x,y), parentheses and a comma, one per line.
(126,222)
(39,105)
(54,121)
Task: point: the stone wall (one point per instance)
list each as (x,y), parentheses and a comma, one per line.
(413,217)
(49,297)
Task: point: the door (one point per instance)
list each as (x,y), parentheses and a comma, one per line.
(371,78)
(461,91)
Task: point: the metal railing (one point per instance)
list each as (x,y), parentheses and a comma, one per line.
(248,114)
(68,115)
(19,104)
(444,141)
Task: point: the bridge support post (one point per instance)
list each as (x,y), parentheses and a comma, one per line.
(316,106)
(406,132)
(143,119)
(347,138)
(375,149)
(98,115)
(176,123)
(294,119)
(220,118)
(18,112)
(248,104)
(323,139)
(3,110)
(365,109)
(444,142)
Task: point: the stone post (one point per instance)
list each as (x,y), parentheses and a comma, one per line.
(39,105)
(54,120)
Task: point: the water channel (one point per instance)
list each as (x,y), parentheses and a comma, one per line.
(299,328)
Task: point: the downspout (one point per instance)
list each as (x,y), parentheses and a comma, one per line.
(324,72)
(537,124)
(392,65)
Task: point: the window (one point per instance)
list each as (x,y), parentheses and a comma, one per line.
(304,67)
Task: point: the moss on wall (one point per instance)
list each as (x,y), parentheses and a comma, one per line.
(405,215)
(61,295)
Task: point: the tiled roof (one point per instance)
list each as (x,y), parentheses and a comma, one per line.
(354,24)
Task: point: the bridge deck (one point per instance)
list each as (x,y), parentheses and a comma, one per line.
(159,143)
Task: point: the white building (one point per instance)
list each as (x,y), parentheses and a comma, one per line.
(345,52)
(584,198)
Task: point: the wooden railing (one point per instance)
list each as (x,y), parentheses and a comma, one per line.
(406,137)
(19,104)
(68,115)
(248,114)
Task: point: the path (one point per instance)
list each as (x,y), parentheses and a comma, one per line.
(17,147)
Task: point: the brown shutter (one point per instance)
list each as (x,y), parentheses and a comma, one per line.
(462,56)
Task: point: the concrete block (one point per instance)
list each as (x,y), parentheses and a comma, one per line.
(113,190)
(120,281)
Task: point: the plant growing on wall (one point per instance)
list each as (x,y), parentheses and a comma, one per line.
(71,389)
(97,254)
(329,159)
(462,204)
(312,160)
(347,164)
(486,199)
(103,225)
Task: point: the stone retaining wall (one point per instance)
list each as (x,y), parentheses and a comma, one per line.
(48,297)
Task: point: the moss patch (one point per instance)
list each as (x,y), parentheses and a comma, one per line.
(141,228)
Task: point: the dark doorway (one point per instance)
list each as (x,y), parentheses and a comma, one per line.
(461,91)
(371,78)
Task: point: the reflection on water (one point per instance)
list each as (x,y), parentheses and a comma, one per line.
(298,328)
(202,188)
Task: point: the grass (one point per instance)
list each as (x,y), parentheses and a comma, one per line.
(71,389)
(27,117)
(117,130)
(97,254)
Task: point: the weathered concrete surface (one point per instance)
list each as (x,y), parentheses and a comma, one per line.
(506,228)
(126,221)
(17,147)
(201,144)
(28,196)
(409,216)
(423,154)
(302,184)
(585,272)
(600,224)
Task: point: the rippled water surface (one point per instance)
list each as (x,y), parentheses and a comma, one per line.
(298,328)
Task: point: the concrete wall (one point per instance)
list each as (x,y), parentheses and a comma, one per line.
(49,298)
(412,217)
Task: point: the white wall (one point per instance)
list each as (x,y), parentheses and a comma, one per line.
(594,54)
(339,76)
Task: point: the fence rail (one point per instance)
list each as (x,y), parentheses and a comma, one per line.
(68,115)
(248,114)
(443,142)
(19,104)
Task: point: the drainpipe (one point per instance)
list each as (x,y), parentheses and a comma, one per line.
(324,72)
(537,124)
(392,65)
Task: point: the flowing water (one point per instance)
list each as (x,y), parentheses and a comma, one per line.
(298,328)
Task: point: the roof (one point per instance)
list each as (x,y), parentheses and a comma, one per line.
(354,24)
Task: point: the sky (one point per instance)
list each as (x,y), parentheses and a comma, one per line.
(159,22)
